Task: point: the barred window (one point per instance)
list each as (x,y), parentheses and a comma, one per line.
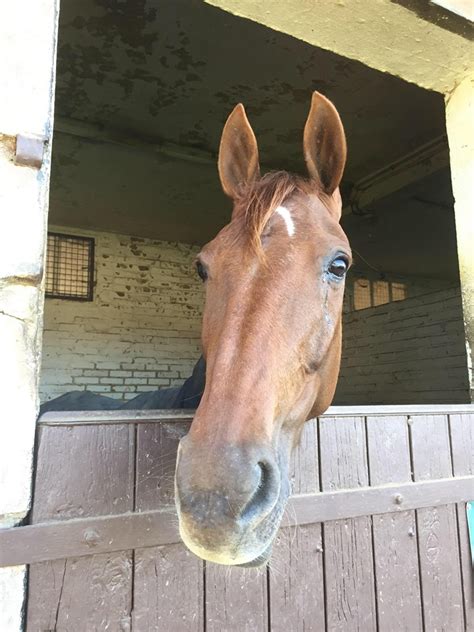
(69,267)
(362,298)
(369,293)
(380,292)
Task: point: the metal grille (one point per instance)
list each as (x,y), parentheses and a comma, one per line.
(69,267)
(399,291)
(380,292)
(362,298)
(367,293)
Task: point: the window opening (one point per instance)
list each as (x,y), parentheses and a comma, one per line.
(69,267)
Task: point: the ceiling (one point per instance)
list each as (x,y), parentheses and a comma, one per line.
(153,73)
(411,233)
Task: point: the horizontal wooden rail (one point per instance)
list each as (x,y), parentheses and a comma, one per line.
(85,418)
(105,534)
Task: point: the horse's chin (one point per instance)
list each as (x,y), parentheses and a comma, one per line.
(242,559)
(259,561)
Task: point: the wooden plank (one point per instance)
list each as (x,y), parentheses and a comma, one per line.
(389,410)
(462,444)
(236,599)
(104,417)
(363,501)
(348,559)
(80,537)
(81,472)
(395,543)
(437,529)
(296,568)
(71,418)
(168,585)
(56,540)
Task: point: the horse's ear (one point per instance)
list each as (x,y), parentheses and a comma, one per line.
(238,153)
(324,144)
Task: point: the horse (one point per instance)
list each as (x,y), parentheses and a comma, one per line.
(271,338)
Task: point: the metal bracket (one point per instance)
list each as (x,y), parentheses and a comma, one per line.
(29,150)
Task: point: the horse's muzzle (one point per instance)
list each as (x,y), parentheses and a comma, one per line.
(228,500)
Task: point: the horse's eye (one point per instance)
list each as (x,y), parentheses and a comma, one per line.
(201,270)
(338,267)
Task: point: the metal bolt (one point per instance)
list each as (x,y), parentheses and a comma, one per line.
(91,537)
(398,498)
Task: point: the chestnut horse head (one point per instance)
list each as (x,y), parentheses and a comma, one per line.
(271,338)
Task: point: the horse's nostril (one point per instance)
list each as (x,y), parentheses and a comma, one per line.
(265,494)
(263,475)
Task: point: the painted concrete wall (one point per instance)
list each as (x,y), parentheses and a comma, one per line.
(28,46)
(142,330)
(406,352)
(460,127)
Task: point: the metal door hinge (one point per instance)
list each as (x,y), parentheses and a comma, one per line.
(29,150)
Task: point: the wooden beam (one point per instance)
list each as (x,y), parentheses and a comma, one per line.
(89,536)
(85,418)
(99,134)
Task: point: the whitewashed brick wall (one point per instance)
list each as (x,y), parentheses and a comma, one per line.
(142,330)
(407,352)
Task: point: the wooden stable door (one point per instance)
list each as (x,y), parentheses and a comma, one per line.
(375,536)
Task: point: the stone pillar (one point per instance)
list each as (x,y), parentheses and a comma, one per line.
(460,127)
(28,32)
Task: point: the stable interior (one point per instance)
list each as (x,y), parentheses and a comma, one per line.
(142,96)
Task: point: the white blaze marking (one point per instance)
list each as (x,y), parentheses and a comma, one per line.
(286,215)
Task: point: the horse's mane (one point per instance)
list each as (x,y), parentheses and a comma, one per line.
(259,200)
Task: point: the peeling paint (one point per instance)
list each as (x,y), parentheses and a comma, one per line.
(180,85)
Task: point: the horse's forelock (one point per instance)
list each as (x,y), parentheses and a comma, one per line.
(258,201)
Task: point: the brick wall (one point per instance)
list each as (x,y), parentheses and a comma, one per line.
(142,330)
(406,352)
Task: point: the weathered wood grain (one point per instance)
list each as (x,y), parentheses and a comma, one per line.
(168,581)
(296,579)
(82,472)
(349,573)
(462,443)
(395,540)
(437,529)
(236,599)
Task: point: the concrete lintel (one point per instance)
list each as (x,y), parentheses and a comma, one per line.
(390,36)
